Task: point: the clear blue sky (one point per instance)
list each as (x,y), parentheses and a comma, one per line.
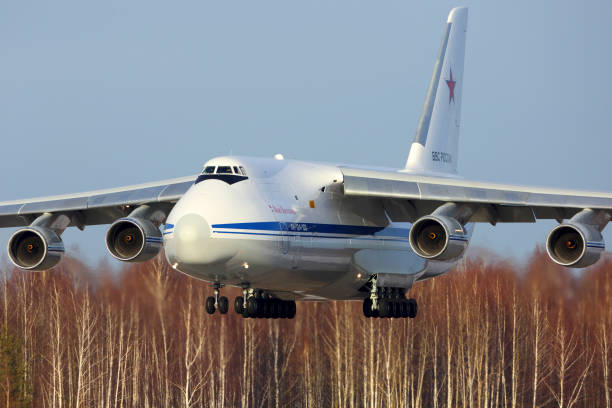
(100,94)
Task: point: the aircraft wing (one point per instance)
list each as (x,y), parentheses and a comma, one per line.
(95,207)
(407,197)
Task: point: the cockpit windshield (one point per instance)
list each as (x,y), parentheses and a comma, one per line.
(224,170)
(229,174)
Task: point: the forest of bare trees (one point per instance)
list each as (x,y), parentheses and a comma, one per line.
(488,334)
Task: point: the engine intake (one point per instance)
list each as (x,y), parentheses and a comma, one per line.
(133,240)
(35,248)
(438,237)
(575,244)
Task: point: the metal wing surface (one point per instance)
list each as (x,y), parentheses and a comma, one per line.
(407,197)
(95,207)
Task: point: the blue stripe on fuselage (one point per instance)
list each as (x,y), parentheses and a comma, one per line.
(317,228)
(271,234)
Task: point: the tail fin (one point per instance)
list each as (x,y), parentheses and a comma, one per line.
(435,145)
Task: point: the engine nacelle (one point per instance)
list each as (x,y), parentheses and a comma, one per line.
(575,244)
(133,240)
(438,237)
(35,248)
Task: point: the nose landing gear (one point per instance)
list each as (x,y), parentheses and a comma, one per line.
(217,302)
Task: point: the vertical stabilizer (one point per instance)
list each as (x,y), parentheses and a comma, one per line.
(434,149)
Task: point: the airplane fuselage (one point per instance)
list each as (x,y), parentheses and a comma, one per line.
(287,227)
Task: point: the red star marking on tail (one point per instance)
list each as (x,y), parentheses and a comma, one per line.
(451,87)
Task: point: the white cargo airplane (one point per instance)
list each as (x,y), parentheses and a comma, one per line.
(286,230)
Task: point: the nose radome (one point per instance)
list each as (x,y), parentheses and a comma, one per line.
(192,243)
(191,228)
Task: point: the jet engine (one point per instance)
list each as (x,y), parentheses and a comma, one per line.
(438,237)
(575,244)
(35,248)
(133,240)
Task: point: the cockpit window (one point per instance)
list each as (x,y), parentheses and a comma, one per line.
(228,174)
(239,170)
(224,170)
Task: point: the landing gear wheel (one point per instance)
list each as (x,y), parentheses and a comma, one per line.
(384,308)
(239,305)
(284,309)
(404,308)
(367,307)
(267,308)
(397,308)
(291,310)
(251,307)
(413,308)
(223,305)
(210,305)
(271,307)
(276,308)
(260,307)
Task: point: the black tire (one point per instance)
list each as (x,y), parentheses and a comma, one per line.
(284,309)
(391,308)
(223,305)
(413,308)
(291,310)
(404,308)
(239,305)
(384,308)
(210,305)
(271,307)
(367,307)
(397,308)
(260,307)
(277,305)
(267,308)
(251,307)
(245,310)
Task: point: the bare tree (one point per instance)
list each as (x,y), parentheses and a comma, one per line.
(605,361)
(157,282)
(487,336)
(85,323)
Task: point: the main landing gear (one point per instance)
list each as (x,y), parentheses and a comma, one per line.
(259,305)
(388,302)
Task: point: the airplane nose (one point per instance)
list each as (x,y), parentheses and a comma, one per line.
(192,246)
(190,235)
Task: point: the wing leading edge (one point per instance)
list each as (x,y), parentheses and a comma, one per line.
(95,207)
(407,197)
